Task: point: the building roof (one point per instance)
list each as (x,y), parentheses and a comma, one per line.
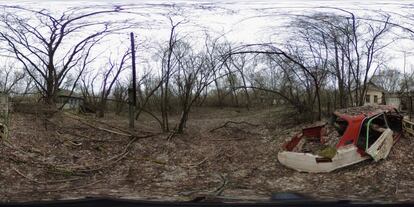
(68,93)
(373,87)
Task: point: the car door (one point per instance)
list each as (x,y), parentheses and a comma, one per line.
(382,147)
(379,139)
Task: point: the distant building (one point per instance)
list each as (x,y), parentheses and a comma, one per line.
(393,99)
(374,95)
(71,101)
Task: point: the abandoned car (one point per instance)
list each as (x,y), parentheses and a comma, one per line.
(351,135)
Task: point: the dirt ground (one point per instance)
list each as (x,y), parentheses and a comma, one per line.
(67,156)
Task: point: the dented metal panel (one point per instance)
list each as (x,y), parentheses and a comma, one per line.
(348,150)
(307,162)
(382,147)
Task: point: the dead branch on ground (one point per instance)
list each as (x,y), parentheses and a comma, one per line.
(199,163)
(101,128)
(218,140)
(86,138)
(171,135)
(109,162)
(40,182)
(233,122)
(82,170)
(126,131)
(221,188)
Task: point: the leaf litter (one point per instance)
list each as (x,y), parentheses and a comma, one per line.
(62,158)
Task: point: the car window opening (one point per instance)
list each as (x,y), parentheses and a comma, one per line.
(394,121)
(339,124)
(371,130)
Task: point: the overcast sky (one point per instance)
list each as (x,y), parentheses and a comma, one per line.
(243,21)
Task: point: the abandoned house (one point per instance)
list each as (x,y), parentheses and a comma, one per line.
(70,101)
(374,95)
(393,99)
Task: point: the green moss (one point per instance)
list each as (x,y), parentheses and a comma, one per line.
(328,152)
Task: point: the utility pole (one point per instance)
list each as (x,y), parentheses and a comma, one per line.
(132,92)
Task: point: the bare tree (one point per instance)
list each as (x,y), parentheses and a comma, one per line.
(152,86)
(362,46)
(389,79)
(120,96)
(105,78)
(109,78)
(323,45)
(50,45)
(88,89)
(214,62)
(168,65)
(10,78)
(192,77)
(239,62)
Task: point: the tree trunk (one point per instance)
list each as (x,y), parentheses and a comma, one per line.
(246,92)
(183,120)
(50,92)
(219,99)
(164,109)
(100,113)
(339,77)
(318,98)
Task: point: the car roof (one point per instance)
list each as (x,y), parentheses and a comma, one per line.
(368,110)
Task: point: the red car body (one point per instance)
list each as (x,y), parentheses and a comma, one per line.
(350,136)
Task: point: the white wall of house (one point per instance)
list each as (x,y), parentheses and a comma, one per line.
(71,104)
(373,98)
(393,101)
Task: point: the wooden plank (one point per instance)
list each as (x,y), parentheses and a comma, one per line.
(408,127)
